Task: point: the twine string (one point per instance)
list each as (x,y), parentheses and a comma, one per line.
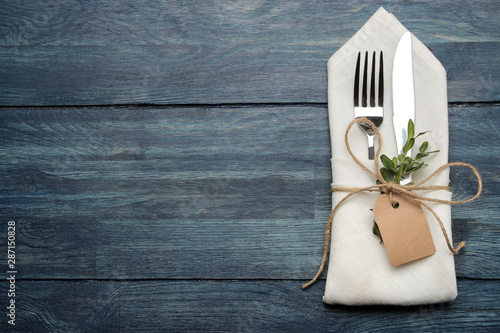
(390,189)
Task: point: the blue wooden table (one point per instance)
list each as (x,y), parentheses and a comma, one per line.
(166,164)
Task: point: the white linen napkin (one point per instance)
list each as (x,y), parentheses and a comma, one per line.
(359,272)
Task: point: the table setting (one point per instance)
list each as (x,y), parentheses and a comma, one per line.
(400,88)
(249,166)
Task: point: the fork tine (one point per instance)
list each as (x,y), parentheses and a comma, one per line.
(381,81)
(364,94)
(373,113)
(372,83)
(356,82)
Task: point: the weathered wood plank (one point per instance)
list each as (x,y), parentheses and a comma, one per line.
(234,306)
(473,139)
(171,52)
(280,306)
(64,306)
(212,193)
(58,22)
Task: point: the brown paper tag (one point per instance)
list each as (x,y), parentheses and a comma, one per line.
(404,230)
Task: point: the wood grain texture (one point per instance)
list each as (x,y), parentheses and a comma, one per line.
(236,306)
(276,306)
(202,192)
(168,163)
(212,52)
(65,306)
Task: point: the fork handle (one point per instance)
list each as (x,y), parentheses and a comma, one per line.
(371,148)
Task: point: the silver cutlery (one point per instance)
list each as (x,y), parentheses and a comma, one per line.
(370,105)
(403,94)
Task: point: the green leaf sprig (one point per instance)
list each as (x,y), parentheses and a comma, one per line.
(398,168)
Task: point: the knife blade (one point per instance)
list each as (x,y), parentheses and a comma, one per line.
(403,93)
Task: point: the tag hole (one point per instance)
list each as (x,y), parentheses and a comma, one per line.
(395,205)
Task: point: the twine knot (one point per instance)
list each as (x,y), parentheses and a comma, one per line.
(391,188)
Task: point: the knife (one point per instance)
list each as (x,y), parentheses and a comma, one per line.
(403,93)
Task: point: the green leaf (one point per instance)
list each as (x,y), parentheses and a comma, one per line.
(421,155)
(387,174)
(397,177)
(408,145)
(411,143)
(387,162)
(415,167)
(401,157)
(421,133)
(424,146)
(411,129)
(376,231)
(395,162)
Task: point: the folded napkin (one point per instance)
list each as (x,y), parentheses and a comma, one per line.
(359,271)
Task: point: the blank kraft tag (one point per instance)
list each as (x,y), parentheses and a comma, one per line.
(404,230)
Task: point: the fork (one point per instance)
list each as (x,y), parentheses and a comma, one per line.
(374,111)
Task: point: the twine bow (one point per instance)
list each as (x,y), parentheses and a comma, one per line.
(390,189)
